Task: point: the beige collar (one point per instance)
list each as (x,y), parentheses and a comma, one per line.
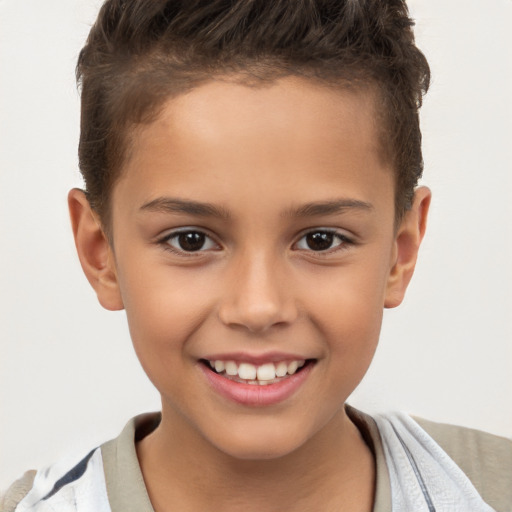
(125,483)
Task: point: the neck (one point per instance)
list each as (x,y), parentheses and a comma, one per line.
(334,470)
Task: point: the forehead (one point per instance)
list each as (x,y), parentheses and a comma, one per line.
(240,141)
(227,109)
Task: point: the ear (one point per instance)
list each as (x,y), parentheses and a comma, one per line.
(94,251)
(406,246)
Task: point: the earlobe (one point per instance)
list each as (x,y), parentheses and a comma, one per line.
(406,246)
(94,251)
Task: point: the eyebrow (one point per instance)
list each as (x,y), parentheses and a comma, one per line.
(172,205)
(332,207)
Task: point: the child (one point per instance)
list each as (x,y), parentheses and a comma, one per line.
(251,202)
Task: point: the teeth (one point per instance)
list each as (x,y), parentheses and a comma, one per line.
(281,369)
(266,372)
(292,367)
(247,371)
(231,368)
(257,374)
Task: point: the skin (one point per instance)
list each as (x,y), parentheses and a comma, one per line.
(259,156)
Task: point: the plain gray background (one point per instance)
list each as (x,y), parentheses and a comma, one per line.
(68,376)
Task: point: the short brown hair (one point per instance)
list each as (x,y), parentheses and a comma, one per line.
(141,52)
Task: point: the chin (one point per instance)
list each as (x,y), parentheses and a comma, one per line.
(258,451)
(259,444)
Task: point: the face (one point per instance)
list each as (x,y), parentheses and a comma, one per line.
(253,232)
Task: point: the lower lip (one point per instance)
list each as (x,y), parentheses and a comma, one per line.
(254,394)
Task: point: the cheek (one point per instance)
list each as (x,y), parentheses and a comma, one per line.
(347,305)
(350,322)
(163,307)
(160,324)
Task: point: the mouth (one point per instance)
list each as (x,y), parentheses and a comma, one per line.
(265,374)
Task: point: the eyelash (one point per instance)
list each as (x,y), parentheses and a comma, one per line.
(344,241)
(165,242)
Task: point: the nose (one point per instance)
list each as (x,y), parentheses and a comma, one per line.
(257,296)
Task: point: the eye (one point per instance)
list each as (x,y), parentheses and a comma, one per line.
(189,241)
(322,240)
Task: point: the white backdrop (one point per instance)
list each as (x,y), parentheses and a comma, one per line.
(68,376)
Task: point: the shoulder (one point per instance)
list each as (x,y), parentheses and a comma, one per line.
(430,462)
(486,459)
(16,492)
(107,478)
(72,484)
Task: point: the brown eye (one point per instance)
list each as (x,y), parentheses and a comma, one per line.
(190,241)
(319,241)
(322,240)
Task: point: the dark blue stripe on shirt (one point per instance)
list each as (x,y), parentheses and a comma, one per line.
(71,476)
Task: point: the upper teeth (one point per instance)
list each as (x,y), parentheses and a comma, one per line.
(265,372)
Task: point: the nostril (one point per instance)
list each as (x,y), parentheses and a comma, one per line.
(256,296)
(254,318)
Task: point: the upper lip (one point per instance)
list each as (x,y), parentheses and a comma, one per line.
(256,359)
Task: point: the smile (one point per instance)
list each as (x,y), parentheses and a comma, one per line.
(265,374)
(256,385)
